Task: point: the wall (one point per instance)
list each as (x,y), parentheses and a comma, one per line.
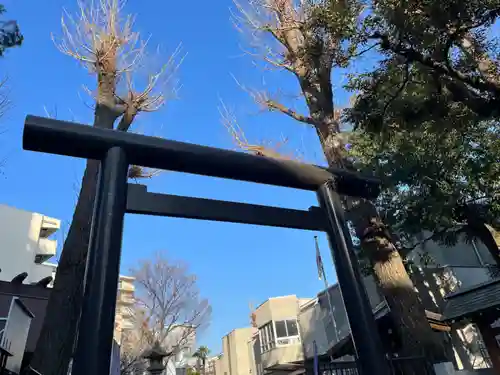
(282,354)
(218,366)
(278,308)
(183,336)
(243,360)
(312,329)
(462,254)
(447,369)
(275,309)
(317,320)
(226,356)
(35,298)
(16,333)
(19,236)
(236,359)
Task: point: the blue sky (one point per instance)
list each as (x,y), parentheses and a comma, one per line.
(236,264)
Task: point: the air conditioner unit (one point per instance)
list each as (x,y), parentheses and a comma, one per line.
(284,342)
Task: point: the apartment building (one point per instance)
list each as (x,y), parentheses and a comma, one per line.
(125,300)
(27,243)
(278,340)
(236,358)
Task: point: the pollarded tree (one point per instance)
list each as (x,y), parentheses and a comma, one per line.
(299,38)
(104,42)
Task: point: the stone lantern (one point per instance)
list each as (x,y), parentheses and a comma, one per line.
(155,355)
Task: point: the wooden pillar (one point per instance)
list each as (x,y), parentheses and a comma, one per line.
(490,341)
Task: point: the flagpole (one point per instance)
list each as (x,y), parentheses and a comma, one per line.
(322,274)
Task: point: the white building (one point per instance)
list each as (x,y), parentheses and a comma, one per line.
(26,244)
(181,340)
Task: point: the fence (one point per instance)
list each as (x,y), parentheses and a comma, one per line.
(399,366)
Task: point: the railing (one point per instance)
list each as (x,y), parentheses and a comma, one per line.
(411,366)
(339,368)
(398,366)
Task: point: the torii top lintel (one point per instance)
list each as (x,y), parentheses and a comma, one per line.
(77,140)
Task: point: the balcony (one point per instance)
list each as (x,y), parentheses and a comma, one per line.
(126,300)
(126,286)
(282,354)
(46,249)
(49,226)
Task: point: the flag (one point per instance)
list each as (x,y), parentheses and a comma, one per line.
(319,261)
(315,359)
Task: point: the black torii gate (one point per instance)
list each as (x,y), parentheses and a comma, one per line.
(118,150)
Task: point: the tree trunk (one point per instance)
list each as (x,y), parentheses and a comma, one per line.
(408,313)
(55,344)
(407,310)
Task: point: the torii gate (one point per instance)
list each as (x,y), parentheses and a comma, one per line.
(115,197)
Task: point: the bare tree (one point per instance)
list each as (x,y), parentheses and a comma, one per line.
(290,35)
(135,340)
(104,42)
(169,310)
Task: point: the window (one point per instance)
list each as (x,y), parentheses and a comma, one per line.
(286,328)
(281,332)
(266,333)
(281,329)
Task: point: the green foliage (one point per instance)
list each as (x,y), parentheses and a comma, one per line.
(431,177)
(202,353)
(191,371)
(426,116)
(451,42)
(10,35)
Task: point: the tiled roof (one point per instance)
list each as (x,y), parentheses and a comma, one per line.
(472,300)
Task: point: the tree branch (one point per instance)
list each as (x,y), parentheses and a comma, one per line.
(411,55)
(273,105)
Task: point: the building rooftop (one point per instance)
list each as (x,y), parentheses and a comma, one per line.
(473,300)
(287,296)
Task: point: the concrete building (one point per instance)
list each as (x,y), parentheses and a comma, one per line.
(326,326)
(436,272)
(181,340)
(125,300)
(214,365)
(278,341)
(27,244)
(236,358)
